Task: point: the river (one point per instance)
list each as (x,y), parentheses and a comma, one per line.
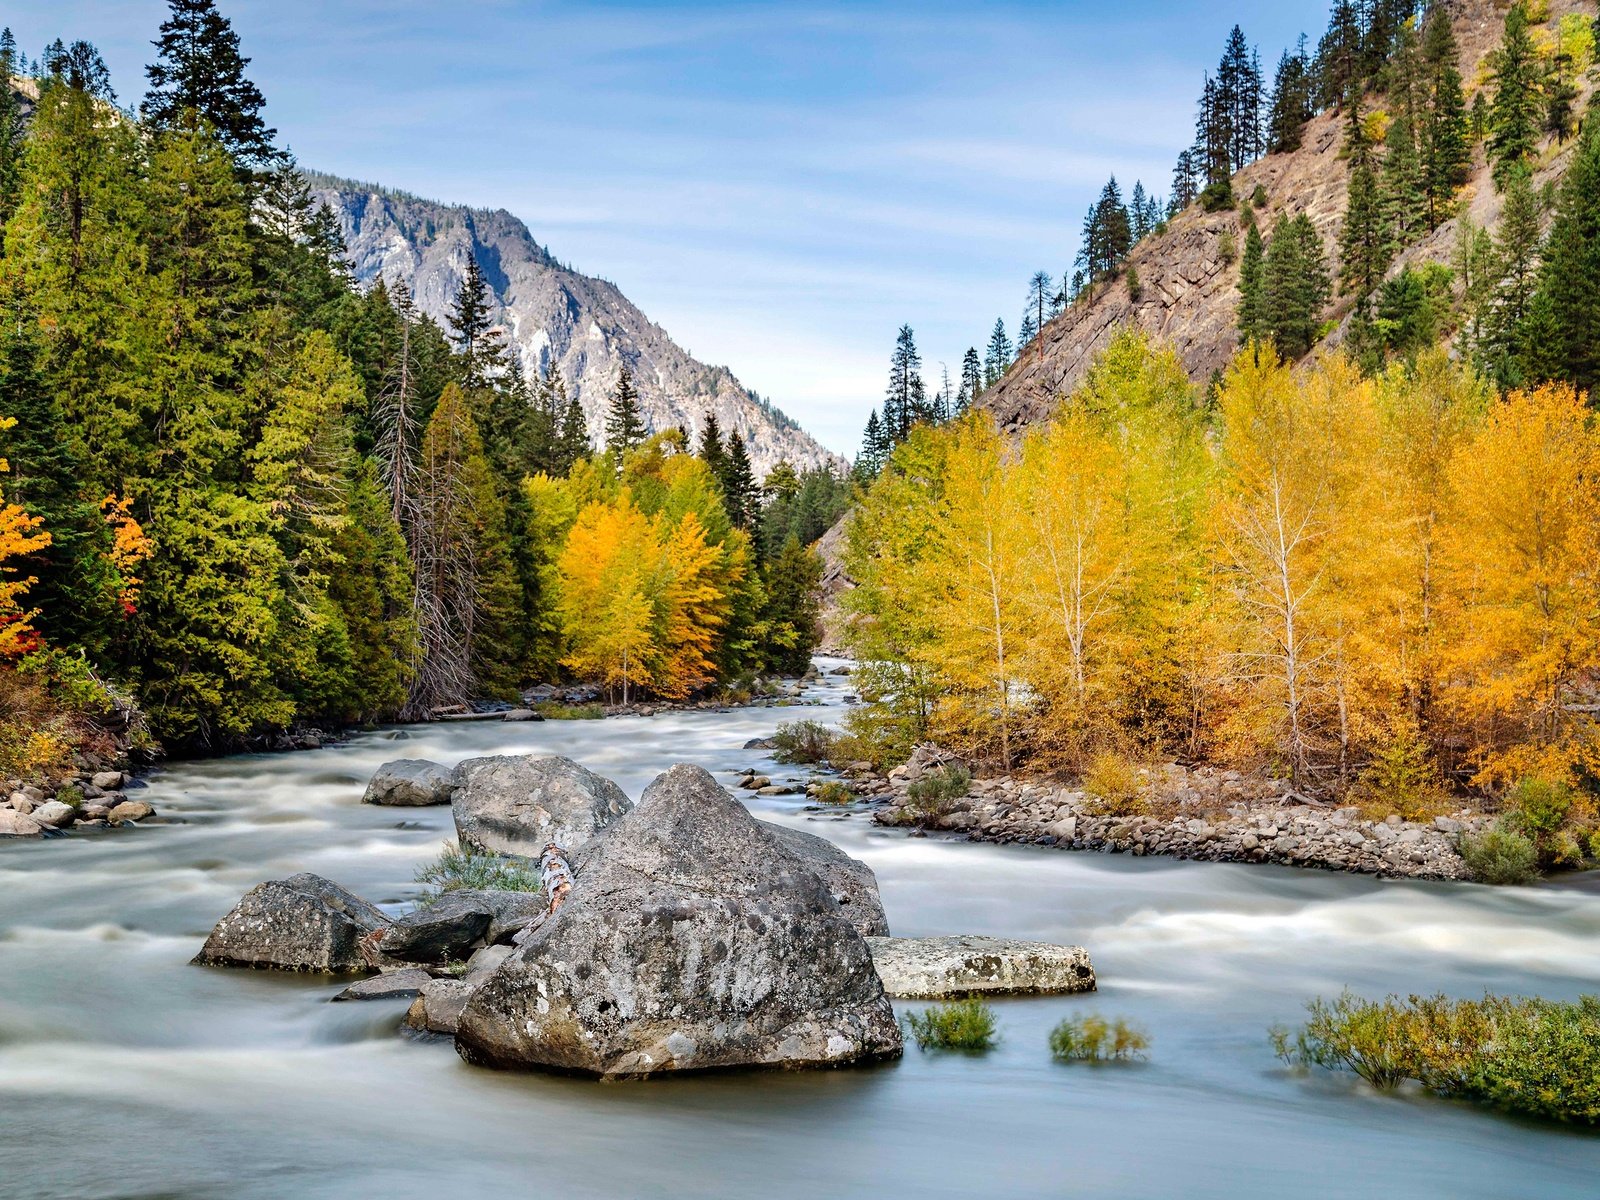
(125,1072)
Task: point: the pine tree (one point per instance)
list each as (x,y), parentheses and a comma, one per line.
(624,428)
(1041,291)
(199,75)
(1515,117)
(1516,266)
(1405,199)
(875,449)
(739,490)
(1364,243)
(1138,207)
(1295,285)
(1568,292)
(1252,285)
(1290,107)
(1446,155)
(1184,188)
(482,354)
(1026,331)
(11,131)
(573,442)
(901,404)
(971,380)
(711,451)
(998,359)
(1339,55)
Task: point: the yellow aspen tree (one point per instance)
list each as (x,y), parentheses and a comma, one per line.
(693,607)
(1073,506)
(981,548)
(606,609)
(1525,551)
(1286,500)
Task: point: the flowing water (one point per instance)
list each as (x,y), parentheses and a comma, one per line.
(125,1072)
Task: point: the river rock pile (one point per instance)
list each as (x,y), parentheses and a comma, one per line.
(1219,816)
(93,799)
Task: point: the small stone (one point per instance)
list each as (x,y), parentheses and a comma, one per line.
(55,814)
(132,810)
(437,1008)
(108,781)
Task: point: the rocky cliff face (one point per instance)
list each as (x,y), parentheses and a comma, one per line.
(554,317)
(1190,295)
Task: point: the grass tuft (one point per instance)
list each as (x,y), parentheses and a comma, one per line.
(462,868)
(960,1025)
(1092,1038)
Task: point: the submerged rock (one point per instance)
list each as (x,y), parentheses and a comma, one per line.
(518,804)
(410,783)
(303,923)
(391,985)
(943,968)
(691,941)
(854,886)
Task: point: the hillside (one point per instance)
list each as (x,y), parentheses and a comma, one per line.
(1190,294)
(554,316)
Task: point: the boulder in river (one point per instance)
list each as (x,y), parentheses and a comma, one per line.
(303,923)
(519,804)
(55,814)
(851,881)
(19,824)
(692,940)
(451,927)
(944,968)
(410,783)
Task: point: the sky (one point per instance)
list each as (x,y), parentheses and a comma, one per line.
(780,186)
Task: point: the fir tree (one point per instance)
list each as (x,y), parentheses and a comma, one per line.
(574,440)
(739,490)
(1364,243)
(1184,188)
(711,451)
(1568,292)
(1252,284)
(1290,107)
(1295,285)
(903,398)
(478,342)
(875,449)
(199,75)
(11,131)
(971,380)
(1446,155)
(998,359)
(1516,266)
(624,428)
(1515,116)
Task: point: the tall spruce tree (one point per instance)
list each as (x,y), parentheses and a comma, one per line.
(1290,107)
(199,74)
(1516,113)
(624,427)
(902,397)
(1252,287)
(1446,154)
(11,131)
(1295,285)
(739,489)
(998,358)
(971,380)
(1516,265)
(1567,298)
(478,343)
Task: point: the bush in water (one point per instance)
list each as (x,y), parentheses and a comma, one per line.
(802,742)
(1095,1039)
(460,868)
(1500,856)
(962,1025)
(833,792)
(1539,1057)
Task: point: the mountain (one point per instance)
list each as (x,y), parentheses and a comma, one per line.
(555,317)
(1190,290)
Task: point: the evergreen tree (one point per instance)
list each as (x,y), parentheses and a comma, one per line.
(739,490)
(1026,331)
(904,397)
(1041,293)
(711,451)
(876,446)
(1107,235)
(1252,285)
(793,579)
(1290,107)
(1516,266)
(624,428)
(1339,56)
(971,380)
(199,75)
(1568,292)
(482,354)
(1446,155)
(1184,188)
(1405,200)
(998,359)
(11,130)
(1138,214)
(1516,114)
(1364,244)
(1295,285)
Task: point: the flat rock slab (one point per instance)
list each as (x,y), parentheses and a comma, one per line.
(392,985)
(947,968)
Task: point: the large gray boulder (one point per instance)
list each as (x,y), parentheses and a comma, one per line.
(944,968)
(410,783)
(519,804)
(303,923)
(851,881)
(692,940)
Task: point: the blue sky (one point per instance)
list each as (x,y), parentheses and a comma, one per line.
(780,186)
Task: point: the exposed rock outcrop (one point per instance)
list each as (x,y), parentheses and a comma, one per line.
(692,941)
(303,923)
(410,783)
(519,804)
(945,968)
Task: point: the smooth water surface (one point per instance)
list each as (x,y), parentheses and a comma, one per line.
(125,1072)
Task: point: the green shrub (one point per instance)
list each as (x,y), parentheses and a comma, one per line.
(831,791)
(1135,288)
(71,795)
(1259,197)
(1227,247)
(961,1025)
(552,710)
(1094,1039)
(1401,778)
(932,795)
(1217,197)
(1500,856)
(803,742)
(461,868)
(1538,1057)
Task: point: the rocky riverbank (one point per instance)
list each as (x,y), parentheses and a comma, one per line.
(1205,813)
(94,798)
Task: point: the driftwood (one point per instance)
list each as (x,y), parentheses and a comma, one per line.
(557,878)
